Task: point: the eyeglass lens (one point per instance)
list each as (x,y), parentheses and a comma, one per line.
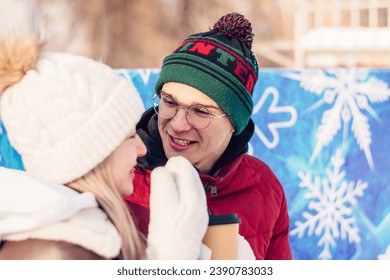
(197,115)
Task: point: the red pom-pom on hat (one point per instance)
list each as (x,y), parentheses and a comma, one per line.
(235,25)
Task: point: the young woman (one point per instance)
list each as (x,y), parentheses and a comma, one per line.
(73,121)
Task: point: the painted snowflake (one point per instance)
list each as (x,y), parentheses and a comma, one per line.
(331,200)
(350,92)
(275,123)
(386,255)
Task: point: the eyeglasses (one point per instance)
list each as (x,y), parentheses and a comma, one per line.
(198,116)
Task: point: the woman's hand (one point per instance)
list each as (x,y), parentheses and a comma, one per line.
(178,211)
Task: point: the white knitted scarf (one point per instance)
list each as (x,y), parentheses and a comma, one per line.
(30,208)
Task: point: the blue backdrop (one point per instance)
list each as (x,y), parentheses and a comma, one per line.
(324,133)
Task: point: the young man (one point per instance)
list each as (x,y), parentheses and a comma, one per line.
(202,109)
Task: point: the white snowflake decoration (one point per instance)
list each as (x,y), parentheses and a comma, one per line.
(331,201)
(350,93)
(385,255)
(273,126)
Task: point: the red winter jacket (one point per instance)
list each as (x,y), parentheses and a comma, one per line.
(246,186)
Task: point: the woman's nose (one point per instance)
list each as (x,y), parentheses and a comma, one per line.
(141,148)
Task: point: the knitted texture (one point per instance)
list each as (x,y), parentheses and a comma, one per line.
(219,63)
(67,114)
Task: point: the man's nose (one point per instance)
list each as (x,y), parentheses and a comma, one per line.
(179,122)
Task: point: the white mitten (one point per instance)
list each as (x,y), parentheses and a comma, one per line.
(178,212)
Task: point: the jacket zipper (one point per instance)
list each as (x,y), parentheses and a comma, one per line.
(212,189)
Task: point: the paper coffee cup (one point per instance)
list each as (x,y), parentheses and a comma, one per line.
(222,236)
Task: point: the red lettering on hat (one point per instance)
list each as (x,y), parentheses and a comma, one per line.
(243,74)
(202,48)
(250,83)
(241,71)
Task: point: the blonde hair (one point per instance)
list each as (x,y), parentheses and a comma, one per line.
(100,182)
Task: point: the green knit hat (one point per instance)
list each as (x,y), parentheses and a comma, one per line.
(219,63)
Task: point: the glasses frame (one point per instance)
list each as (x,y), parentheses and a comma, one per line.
(178,107)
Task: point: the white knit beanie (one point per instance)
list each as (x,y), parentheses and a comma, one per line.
(66,114)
